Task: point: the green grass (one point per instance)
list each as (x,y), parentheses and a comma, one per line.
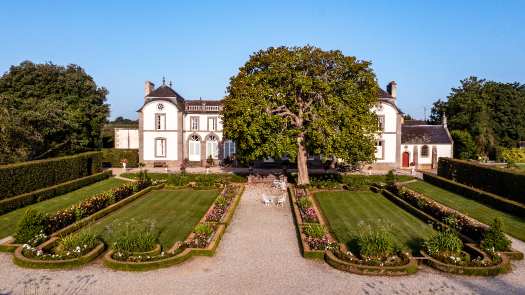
(343,210)
(514,225)
(9,221)
(191,177)
(176,214)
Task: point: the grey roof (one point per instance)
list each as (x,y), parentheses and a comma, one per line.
(414,122)
(165,92)
(420,134)
(383,94)
(207,102)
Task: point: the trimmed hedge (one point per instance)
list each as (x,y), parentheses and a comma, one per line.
(21,178)
(113,156)
(505,183)
(23,200)
(498,202)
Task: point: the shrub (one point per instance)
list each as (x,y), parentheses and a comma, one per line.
(359,184)
(23,200)
(112,157)
(221,201)
(514,154)
(21,178)
(204,180)
(390,177)
(502,182)
(177,180)
(209,160)
(315,231)
(203,232)
(305,203)
(495,238)
(464,144)
(31,224)
(445,242)
(375,240)
(136,241)
(83,239)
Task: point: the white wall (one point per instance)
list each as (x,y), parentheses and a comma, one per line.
(443,150)
(150,110)
(126,138)
(389,139)
(390,117)
(203,135)
(171,145)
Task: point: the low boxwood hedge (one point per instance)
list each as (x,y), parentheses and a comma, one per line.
(25,177)
(20,260)
(27,199)
(498,202)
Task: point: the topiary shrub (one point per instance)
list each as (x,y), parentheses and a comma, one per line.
(495,238)
(31,224)
(390,177)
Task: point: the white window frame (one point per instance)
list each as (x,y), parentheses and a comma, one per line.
(212,124)
(162,141)
(212,147)
(160,121)
(194,123)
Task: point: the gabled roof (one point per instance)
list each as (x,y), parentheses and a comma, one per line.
(414,122)
(383,94)
(165,92)
(421,134)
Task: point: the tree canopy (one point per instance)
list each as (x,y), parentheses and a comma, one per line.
(491,112)
(49,109)
(299,100)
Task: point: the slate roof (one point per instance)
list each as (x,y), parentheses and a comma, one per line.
(414,122)
(420,134)
(165,92)
(383,94)
(207,102)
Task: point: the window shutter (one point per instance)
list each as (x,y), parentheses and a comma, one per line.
(232,149)
(226,149)
(159,147)
(162,123)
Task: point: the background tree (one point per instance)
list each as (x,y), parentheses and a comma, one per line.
(299,100)
(50,110)
(491,112)
(408,117)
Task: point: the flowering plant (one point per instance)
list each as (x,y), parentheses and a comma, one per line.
(165,166)
(207,166)
(182,168)
(310,216)
(124,161)
(369,168)
(412,163)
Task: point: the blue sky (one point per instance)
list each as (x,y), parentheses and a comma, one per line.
(427,47)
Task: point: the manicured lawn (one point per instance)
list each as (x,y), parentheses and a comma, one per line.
(176,213)
(191,177)
(9,221)
(514,225)
(343,210)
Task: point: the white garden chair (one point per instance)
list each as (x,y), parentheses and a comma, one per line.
(282,200)
(276,183)
(282,186)
(267,201)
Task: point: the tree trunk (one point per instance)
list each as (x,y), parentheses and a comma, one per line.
(302,156)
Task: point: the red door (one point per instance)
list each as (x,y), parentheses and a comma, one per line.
(405,159)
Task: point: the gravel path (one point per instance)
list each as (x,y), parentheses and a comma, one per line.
(259,253)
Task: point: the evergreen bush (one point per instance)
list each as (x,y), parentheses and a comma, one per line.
(31,224)
(495,238)
(113,156)
(21,178)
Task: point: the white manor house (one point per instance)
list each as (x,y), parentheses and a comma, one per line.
(174,130)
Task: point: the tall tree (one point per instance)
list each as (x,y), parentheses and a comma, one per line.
(302,100)
(49,108)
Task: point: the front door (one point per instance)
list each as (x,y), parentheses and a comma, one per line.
(195,151)
(405,159)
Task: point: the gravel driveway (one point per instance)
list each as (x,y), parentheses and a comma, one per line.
(258,254)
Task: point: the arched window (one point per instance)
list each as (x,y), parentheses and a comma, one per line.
(212,147)
(424,151)
(194,138)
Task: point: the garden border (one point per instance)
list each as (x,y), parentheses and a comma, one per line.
(329,257)
(188,252)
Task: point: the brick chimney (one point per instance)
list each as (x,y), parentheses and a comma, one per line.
(148,89)
(391,89)
(444,120)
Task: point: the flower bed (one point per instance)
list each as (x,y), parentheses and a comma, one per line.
(222,205)
(306,208)
(58,260)
(469,226)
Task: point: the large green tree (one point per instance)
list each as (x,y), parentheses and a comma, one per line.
(49,109)
(299,100)
(491,112)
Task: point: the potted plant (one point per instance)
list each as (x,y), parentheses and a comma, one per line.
(369,169)
(124,162)
(207,166)
(182,168)
(166,167)
(209,160)
(227,167)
